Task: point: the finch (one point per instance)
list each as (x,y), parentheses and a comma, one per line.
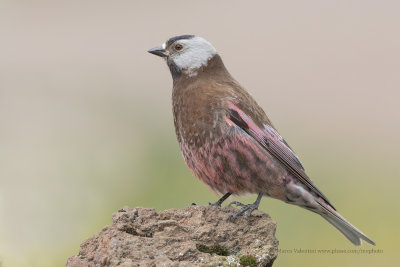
(228,141)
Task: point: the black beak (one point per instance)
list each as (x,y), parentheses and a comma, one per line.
(158,51)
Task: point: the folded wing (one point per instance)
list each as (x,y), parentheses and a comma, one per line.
(272,142)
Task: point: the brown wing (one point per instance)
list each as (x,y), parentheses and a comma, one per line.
(270,139)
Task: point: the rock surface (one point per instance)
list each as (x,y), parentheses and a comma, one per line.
(193,236)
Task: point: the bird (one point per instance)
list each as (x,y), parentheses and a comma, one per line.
(228,141)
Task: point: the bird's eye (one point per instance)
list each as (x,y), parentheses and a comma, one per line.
(178,47)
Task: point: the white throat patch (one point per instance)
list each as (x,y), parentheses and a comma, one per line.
(195,54)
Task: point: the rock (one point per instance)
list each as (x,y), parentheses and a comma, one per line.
(193,236)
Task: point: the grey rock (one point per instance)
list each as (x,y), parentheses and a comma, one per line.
(192,236)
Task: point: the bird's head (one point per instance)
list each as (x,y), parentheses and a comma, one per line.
(185,54)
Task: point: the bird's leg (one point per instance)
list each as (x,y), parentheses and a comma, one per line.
(249,208)
(222,199)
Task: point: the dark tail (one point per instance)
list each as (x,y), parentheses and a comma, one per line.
(346,228)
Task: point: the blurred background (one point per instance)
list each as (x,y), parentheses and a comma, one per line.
(86,120)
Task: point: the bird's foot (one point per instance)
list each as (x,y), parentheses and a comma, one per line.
(248,209)
(219,202)
(215,204)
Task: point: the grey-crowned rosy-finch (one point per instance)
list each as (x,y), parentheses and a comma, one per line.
(227,139)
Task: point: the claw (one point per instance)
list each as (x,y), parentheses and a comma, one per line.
(219,202)
(215,204)
(237,204)
(249,208)
(249,211)
(231,217)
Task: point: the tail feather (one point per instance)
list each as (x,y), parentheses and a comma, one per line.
(346,228)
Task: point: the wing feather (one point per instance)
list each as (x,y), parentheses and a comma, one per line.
(270,139)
